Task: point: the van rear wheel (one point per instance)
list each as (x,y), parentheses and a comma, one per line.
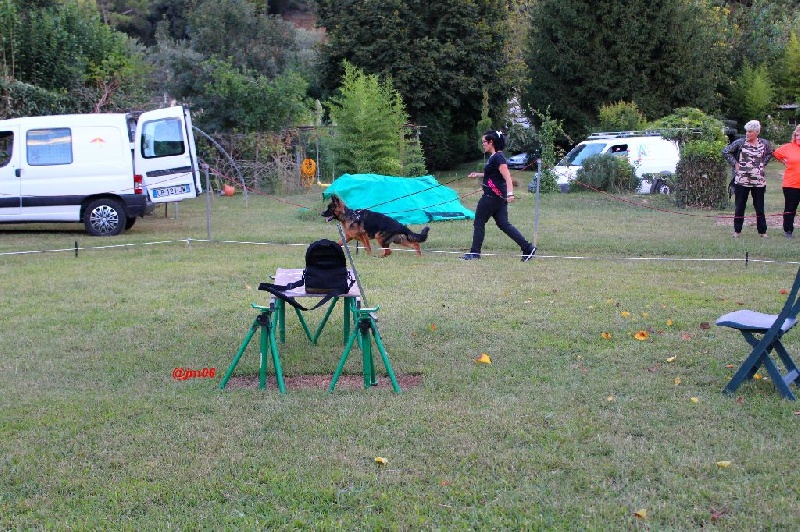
(104,217)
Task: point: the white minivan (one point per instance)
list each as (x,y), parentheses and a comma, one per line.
(647,152)
(101,169)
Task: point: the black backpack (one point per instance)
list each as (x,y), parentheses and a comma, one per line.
(326,269)
(325,273)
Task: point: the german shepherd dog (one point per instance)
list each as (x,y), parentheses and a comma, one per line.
(363,224)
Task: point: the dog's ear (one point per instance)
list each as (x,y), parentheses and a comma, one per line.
(335,200)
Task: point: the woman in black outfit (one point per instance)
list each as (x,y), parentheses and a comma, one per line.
(497,194)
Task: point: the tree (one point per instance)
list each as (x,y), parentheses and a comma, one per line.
(658,54)
(789,79)
(369,118)
(128,16)
(240,70)
(753,93)
(67,48)
(440,56)
(232,31)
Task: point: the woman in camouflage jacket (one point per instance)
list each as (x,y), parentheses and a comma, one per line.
(748,157)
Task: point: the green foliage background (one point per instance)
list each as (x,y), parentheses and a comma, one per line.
(253,65)
(369,119)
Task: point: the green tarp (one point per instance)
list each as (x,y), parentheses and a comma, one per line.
(409,200)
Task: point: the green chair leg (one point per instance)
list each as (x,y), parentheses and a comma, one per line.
(239,353)
(365,324)
(268,345)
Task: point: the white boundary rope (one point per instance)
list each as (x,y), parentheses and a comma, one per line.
(188,242)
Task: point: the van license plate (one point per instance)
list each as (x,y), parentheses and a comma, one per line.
(170,191)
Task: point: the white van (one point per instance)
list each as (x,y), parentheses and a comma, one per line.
(99,169)
(647,152)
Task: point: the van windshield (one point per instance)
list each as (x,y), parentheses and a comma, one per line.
(580,152)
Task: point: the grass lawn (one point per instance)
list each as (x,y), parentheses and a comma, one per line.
(575,424)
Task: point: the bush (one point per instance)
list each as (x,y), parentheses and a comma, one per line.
(21,99)
(621,116)
(702,175)
(548,182)
(776,131)
(688,123)
(607,172)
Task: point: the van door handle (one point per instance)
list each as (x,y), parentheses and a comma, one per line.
(18,172)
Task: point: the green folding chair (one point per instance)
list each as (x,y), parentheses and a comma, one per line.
(772,328)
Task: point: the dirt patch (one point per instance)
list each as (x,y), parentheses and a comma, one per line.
(773,220)
(321,382)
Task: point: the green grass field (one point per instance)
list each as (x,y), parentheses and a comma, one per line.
(575,424)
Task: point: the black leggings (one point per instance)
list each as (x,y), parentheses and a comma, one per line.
(791,197)
(497,208)
(742,193)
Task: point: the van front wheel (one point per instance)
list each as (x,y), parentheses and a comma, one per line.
(104,217)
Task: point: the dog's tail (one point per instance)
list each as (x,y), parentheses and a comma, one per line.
(420,237)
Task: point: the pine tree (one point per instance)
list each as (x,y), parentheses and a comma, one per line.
(368,116)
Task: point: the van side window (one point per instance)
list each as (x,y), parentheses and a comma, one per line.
(162,138)
(46,147)
(619,149)
(580,152)
(6,147)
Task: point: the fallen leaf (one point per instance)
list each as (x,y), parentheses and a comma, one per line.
(677,381)
(704,325)
(625,314)
(716,514)
(694,400)
(653,369)
(641,335)
(669,322)
(445,483)
(757,377)
(483,359)
(433,326)
(724,464)
(605,336)
(610,398)
(797,413)
(686,336)
(783,291)
(380,460)
(645,314)
(609,301)
(247,287)
(671,359)
(641,514)
(729,366)
(740,400)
